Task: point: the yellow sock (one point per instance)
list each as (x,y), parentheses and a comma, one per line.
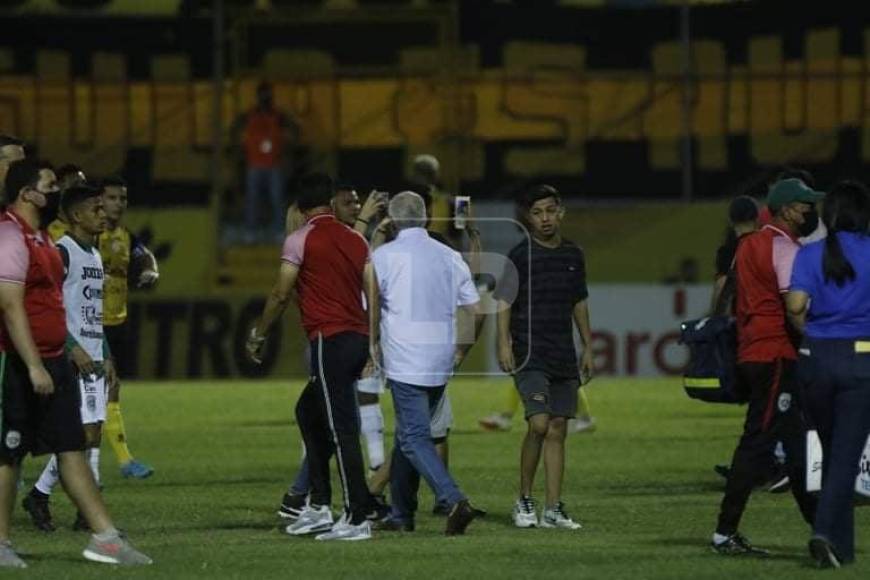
(583,409)
(115,433)
(513,402)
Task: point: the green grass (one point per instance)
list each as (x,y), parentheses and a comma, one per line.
(643,486)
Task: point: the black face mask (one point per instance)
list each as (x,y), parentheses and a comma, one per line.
(811,222)
(50,212)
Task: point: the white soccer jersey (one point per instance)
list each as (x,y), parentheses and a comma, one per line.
(83,296)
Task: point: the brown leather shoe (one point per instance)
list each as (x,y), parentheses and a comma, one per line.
(460,516)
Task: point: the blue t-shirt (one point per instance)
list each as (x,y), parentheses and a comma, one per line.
(835,312)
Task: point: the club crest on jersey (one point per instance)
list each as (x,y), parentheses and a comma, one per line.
(91,316)
(13,440)
(784,402)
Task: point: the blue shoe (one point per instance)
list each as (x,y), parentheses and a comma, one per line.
(136,470)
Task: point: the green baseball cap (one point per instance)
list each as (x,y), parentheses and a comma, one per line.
(786,191)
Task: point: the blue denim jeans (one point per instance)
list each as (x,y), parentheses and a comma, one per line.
(302,484)
(414,453)
(264,181)
(836,382)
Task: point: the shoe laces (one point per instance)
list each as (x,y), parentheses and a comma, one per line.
(527,504)
(559,510)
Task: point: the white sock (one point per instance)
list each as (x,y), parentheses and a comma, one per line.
(93,455)
(372,420)
(719,538)
(49,477)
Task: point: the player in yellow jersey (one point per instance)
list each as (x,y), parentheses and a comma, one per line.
(122,253)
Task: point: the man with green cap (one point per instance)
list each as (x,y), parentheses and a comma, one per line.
(766,360)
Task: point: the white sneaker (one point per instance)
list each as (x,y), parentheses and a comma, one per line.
(496,422)
(555,517)
(348,532)
(582,425)
(525,515)
(312,520)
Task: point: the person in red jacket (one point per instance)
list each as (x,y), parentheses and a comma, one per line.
(40,395)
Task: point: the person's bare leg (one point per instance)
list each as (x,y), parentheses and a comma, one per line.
(554,458)
(530,455)
(78,481)
(380,479)
(8,491)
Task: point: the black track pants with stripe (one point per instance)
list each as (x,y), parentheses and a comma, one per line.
(328,416)
(773,414)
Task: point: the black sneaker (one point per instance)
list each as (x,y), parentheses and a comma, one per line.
(36,504)
(823,553)
(393,525)
(379,509)
(292,506)
(737,545)
(81,524)
(460,516)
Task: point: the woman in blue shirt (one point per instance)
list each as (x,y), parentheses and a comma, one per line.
(829,298)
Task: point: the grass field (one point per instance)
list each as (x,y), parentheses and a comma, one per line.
(642,485)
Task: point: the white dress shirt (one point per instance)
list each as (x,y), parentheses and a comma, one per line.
(421,283)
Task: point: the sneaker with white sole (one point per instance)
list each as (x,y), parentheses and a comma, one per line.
(496,422)
(525,514)
(347,532)
(582,425)
(556,517)
(115,550)
(9,558)
(312,520)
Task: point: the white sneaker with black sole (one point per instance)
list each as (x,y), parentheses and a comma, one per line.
(556,517)
(312,520)
(525,513)
(346,532)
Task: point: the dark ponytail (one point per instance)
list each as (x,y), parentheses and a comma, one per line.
(847,209)
(834,262)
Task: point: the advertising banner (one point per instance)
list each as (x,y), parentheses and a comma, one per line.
(635,333)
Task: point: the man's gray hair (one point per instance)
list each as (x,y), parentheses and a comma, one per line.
(407,210)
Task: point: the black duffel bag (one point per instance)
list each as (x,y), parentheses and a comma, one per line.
(711,373)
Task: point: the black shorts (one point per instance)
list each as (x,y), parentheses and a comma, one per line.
(543,393)
(119,344)
(39,424)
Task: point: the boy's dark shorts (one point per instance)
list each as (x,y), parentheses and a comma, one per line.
(544,393)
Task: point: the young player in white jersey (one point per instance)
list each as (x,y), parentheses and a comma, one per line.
(86,344)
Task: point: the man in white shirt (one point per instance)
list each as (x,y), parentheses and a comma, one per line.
(421,284)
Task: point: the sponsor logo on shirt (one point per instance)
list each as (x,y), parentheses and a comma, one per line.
(91,315)
(92,293)
(90,273)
